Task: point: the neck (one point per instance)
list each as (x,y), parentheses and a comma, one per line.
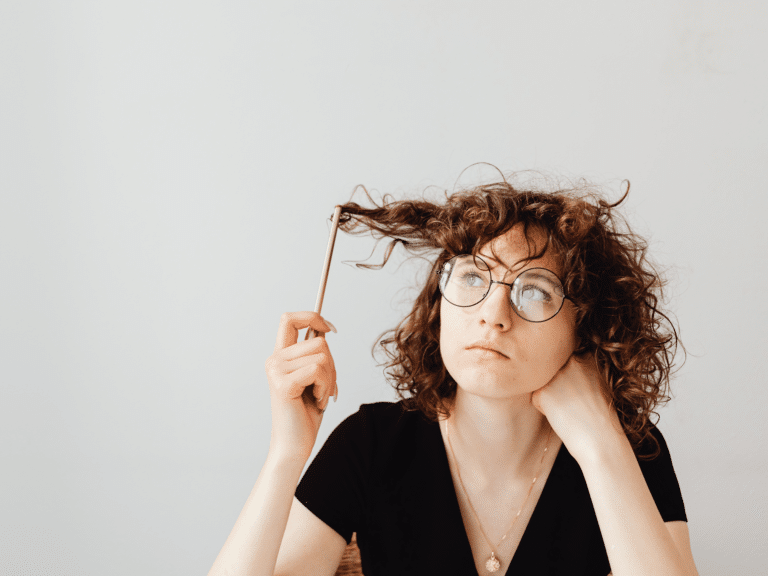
(497,438)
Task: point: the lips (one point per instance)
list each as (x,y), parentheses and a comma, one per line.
(486,346)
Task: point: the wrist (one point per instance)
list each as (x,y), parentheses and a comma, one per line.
(608,448)
(286,460)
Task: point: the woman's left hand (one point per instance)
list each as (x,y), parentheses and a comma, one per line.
(578,410)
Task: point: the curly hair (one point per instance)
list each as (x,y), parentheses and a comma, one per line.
(616,291)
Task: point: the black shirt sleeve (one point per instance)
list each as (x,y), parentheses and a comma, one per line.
(334,487)
(662,482)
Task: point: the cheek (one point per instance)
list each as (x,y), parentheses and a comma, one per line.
(562,344)
(450,326)
(445,330)
(550,344)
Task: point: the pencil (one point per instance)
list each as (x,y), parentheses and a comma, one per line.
(309,390)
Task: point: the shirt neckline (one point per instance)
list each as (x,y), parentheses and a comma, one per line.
(537,524)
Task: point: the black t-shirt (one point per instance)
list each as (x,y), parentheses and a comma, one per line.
(383,473)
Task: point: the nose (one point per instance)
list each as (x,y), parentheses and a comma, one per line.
(496,308)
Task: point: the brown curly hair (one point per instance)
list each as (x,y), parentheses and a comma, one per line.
(605,270)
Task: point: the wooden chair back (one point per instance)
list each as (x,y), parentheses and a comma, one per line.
(350,562)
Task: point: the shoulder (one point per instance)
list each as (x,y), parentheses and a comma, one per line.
(654,443)
(382,420)
(382,417)
(383,432)
(653,454)
(356,445)
(383,410)
(660,476)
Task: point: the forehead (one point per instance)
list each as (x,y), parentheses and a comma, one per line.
(512,248)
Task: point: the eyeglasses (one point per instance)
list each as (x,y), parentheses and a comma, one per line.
(536,294)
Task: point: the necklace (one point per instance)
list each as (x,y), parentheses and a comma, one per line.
(493,564)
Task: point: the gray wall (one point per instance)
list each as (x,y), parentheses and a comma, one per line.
(166,172)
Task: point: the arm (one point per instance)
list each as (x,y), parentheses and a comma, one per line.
(636,538)
(253,545)
(275,534)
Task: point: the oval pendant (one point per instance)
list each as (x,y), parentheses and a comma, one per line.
(492,564)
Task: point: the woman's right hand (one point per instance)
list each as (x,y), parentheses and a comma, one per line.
(293,367)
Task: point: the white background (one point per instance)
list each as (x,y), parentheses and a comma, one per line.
(167,169)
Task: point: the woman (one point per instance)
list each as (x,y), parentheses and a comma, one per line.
(527,370)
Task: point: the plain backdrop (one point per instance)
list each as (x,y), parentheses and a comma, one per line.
(167,174)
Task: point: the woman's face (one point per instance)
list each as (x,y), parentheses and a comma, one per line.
(527,354)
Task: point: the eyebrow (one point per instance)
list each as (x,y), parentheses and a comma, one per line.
(535,274)
(491,258)
(497,262)
(543,277)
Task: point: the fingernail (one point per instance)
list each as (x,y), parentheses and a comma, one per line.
(324,405)
(331,326)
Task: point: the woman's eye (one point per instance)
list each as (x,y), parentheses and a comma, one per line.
(473,280)
(536,293)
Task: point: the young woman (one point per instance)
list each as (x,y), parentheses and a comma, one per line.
(528,370)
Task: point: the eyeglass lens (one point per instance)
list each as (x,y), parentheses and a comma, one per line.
(536,294)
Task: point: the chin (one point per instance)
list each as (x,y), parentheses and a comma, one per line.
(497,388)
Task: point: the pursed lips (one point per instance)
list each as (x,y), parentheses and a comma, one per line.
(484,346)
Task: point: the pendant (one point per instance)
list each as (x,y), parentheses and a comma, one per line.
(492,564)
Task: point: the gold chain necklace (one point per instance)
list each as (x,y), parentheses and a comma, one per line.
(493,564)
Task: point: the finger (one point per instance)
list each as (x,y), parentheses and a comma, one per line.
(299,349)
(326,388)
(306,376)
(306,349)
(322,358)
(323,386)
(331,361)
(292,322)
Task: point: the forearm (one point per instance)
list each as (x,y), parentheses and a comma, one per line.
(636,539)
(253,545)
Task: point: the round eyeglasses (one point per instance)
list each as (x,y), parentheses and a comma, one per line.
(536,294)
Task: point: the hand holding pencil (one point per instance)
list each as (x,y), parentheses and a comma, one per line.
(302,375)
